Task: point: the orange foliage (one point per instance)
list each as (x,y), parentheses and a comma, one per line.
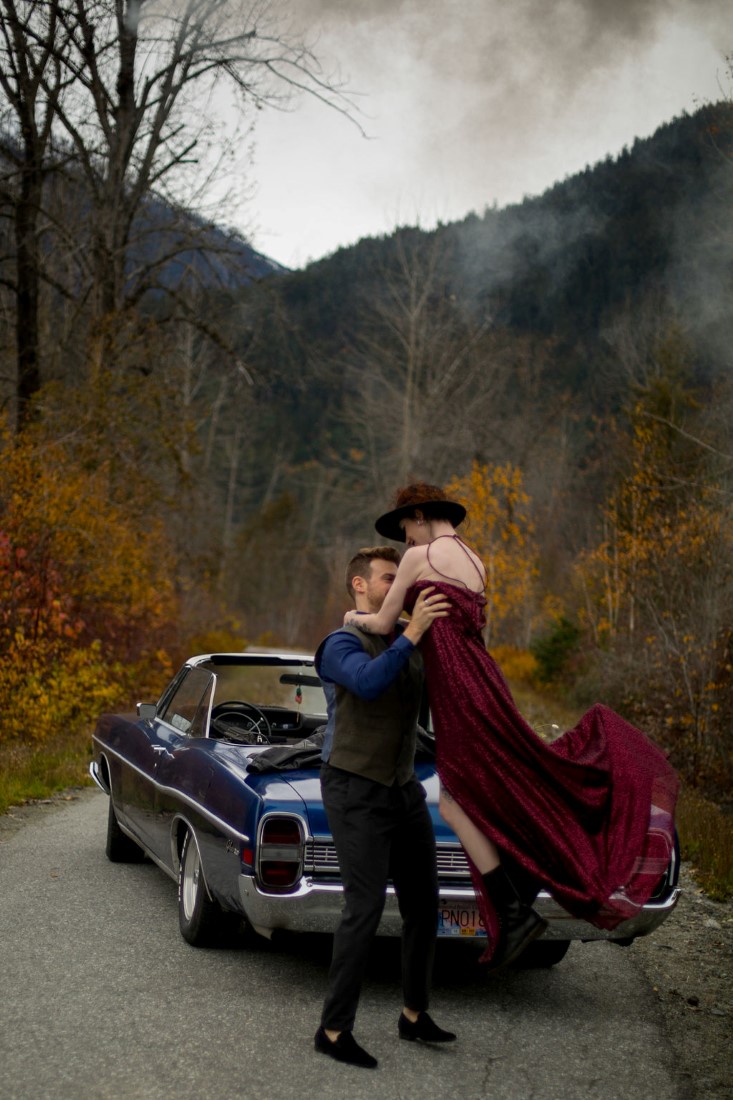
(658,590)
(501,531)
(85,589)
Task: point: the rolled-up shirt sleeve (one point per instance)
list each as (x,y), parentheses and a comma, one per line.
(343,661)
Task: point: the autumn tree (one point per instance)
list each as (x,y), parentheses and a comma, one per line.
(144,100)
(87,600)
(657,589)
(500,529)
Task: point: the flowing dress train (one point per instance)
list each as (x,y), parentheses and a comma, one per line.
(588,816)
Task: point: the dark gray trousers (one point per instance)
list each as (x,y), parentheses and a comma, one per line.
(380,833)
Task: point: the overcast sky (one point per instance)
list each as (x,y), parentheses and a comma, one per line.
(468,103)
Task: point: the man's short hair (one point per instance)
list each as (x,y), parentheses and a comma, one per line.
(361,563)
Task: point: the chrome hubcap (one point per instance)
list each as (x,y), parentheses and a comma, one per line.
(191,874)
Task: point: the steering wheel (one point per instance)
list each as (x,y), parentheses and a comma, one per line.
(235,718)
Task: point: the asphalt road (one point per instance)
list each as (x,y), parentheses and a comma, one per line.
(102,998)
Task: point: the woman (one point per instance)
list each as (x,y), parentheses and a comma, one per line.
(572,816)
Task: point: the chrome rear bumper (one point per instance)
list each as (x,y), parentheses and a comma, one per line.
(316,907)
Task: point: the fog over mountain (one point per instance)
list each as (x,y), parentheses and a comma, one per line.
(473,102)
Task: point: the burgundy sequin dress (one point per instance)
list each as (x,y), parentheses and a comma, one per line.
(589,817)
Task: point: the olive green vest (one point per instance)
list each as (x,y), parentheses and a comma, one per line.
(376,738)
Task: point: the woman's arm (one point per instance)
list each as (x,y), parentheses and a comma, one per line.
(381,622)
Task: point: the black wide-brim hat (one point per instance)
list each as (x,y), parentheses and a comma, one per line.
(388,525)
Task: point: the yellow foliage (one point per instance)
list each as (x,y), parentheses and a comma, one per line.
(44,692)
(500,530)
(646,528)
(85,588)
(76,558)
(516,664)
(228,638)
(657,590)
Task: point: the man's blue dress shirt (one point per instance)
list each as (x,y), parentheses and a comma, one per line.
(342,660)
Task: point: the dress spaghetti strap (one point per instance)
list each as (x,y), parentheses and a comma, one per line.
(456,580)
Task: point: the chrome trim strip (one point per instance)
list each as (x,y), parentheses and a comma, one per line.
(274,658)
(218,821)
(209,709)
(163,866)
(94,772)
(320,859)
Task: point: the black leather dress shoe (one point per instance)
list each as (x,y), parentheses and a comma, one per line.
(344,1049)
(423,1028)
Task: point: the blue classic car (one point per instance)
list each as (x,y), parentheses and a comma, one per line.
(218,784)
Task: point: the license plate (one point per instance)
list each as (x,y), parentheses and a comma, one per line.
(460,920)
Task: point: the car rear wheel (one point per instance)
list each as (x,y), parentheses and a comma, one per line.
(120,849)
(201,920)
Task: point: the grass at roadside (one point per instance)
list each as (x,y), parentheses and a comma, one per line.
(548,717)
(706,838)
(41,770)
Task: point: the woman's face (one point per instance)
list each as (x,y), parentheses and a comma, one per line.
(417,531)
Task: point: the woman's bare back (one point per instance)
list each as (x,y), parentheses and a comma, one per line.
(448,558)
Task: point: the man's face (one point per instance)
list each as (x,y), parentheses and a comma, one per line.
(378,583)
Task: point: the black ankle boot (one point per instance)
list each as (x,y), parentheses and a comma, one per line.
(518,923)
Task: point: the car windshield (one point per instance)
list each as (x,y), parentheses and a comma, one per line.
(270,682)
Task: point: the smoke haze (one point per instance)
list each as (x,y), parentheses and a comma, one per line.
(471,102)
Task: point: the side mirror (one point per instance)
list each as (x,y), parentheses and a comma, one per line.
(146,711)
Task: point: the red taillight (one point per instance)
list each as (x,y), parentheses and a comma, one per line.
(278,873)
(280,853)
(248,856)
(281,830)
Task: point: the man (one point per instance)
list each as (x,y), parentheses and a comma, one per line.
(376,806)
